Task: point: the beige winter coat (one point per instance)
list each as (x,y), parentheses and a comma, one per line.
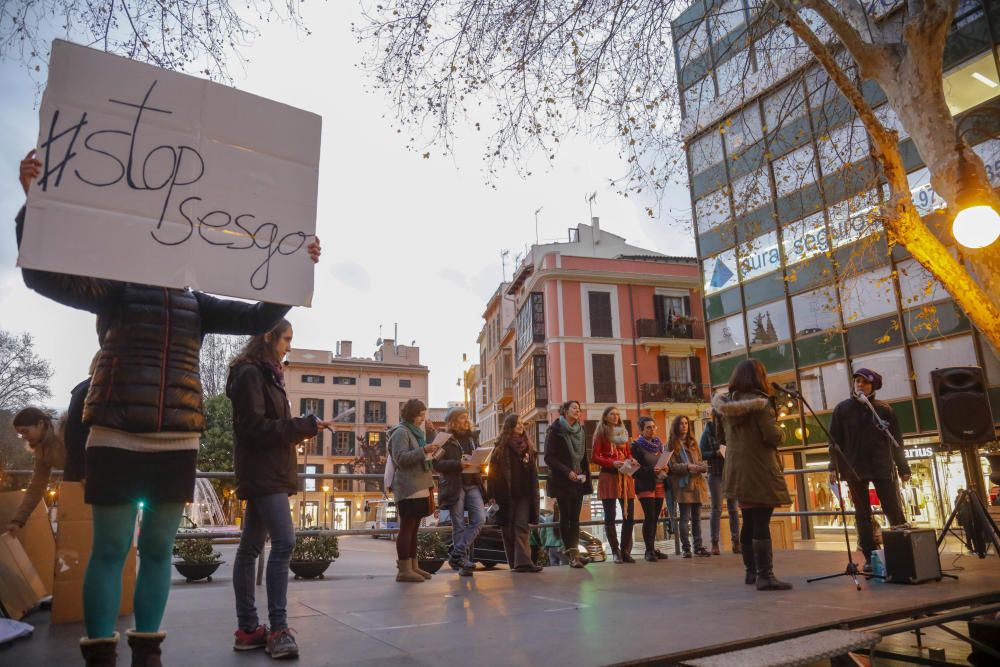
(753,470)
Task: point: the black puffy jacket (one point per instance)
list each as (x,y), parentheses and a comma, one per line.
(868,450)
(266,434)
(147,378)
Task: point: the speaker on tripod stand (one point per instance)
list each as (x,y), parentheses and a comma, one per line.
(962,409)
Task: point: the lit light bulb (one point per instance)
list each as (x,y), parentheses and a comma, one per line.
(976,226)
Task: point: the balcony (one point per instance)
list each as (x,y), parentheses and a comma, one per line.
(672,392)
(683,330)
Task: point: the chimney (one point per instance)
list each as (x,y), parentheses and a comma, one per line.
(595,222)
(344,349)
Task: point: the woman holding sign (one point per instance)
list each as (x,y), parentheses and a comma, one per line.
(144,409)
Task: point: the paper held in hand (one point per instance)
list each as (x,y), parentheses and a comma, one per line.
(479,457)
(629,467)
(663,462)
(722,451)
(439,440)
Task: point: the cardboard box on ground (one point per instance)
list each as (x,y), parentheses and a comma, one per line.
(20,587)
(74,540)
(36,536)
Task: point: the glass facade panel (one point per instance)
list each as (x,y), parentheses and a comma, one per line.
(726,336)
(751,191)
(891,365)
(874,335)
(720,272)
(721,369)
(759,256)
(846,145)
(775,359)
(971,83)
(730,73)
(768,324)
(764,289)
(706,152)
(868,295)
(785,105)
(743,130)
(815,311)
(805,238)
(795,170)
(890,120)
(693,44)
(934,321)
(854,219)
(825,386)
(726,19)
(699,95)
(916,284)
(989,151)
(817,349)
(774,53)
(712,210)
(924,197)
(724,303)
(926,357)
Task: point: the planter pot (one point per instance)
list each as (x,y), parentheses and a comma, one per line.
(994,459)
(431,565)
(196,571)
(308,569)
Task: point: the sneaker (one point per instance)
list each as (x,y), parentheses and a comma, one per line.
(867,567)
(687,554)
(651,557)
(702,552)
(465,571)
(455,561)
(248,641)
(281,644)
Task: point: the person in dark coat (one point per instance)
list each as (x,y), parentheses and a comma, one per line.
(512,483)
(753,469)
(569,476)
(461,489)
(650,483)
(266,436)
(871,456)
(712,446)
(144,410)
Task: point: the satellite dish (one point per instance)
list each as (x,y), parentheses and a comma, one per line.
(378,343)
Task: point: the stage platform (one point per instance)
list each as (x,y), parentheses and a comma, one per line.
(647,613)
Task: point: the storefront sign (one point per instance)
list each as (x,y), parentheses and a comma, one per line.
(918,452)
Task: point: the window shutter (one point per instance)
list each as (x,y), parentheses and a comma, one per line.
(663,368)
(600,314)
(695,371)
(659,312)
(605,390)
(687,306)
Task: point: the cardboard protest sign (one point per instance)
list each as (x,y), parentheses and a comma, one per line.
(155,177)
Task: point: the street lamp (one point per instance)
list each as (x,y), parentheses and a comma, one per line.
(326,508)
(977,224)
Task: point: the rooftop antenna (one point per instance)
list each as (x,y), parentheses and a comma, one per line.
(378,343)
(503,263)
(537,211)
(395,336)
(591,198)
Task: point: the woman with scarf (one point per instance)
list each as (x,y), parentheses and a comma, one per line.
(35,427)
(569,476)
(512,484)
(266,469)
(649,479)
(688,483)
(611,450)
(412,485)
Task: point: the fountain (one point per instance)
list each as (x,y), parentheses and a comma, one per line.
(206,510)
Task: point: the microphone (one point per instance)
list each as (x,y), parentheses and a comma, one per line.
(860,395)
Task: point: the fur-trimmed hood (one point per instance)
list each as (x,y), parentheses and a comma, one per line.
(737,407)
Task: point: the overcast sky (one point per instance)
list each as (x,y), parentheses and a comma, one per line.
(406,240)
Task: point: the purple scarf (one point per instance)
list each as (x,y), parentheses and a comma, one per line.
(654,447)
(279,372)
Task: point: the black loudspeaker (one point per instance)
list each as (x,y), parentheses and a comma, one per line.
(961,405)
(911,556)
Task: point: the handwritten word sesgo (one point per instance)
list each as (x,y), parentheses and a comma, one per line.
(162,170)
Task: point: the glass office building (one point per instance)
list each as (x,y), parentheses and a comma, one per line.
(796,269)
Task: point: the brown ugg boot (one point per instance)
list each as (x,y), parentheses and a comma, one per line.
(100,652)
(145,648)
(406,572)
(415,566)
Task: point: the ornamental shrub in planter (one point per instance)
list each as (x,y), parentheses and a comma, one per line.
(312,554)
(197,559)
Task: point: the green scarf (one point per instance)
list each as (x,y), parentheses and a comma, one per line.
(577,444)
(418,432)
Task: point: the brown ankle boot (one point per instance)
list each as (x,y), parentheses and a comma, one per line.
(415,566)
(145,648)
(100,652)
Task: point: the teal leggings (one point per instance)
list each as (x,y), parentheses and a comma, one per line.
(102,586)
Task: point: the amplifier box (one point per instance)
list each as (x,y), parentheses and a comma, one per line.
(911,556)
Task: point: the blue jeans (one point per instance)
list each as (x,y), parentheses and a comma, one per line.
(715,490)
(265,515)
(690,515)
(464,531)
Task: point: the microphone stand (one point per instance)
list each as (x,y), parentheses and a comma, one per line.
(838,460)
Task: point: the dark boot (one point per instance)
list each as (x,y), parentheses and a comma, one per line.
(100,652)
(764,558)
(145,648)
(737,547)
(626,548)
(751,576)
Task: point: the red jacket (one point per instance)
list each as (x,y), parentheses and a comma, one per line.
(605,454)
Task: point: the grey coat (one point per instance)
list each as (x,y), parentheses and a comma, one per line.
(413,473)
